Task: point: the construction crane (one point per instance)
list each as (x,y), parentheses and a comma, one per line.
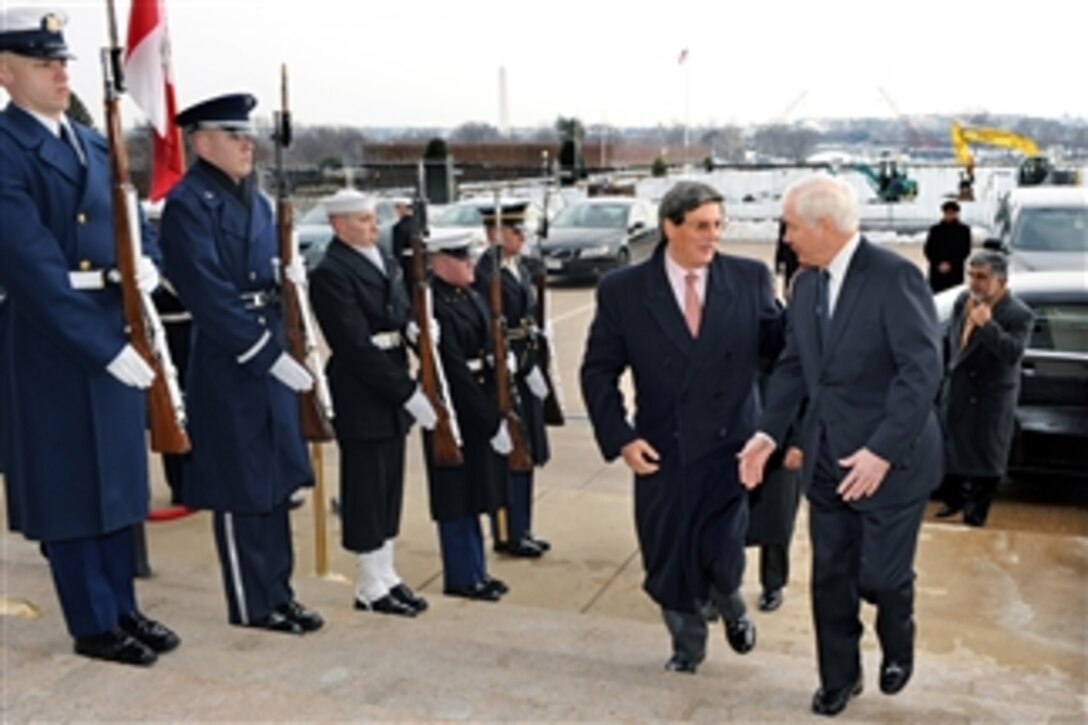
(916,139)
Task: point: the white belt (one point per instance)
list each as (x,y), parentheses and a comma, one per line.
(92,279)
(175,317)
(387,340)
(475,365)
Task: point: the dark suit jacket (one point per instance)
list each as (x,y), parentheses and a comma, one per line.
(978,397)
(353,301)
(874,382)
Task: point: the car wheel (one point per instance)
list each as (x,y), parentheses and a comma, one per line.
(623,257)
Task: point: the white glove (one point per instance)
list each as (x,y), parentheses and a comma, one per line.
(296,271)
(421,409)
(538,386)
(131,369)
(291,374)
(500,442)
(511,362)
(411,331)
(147,275)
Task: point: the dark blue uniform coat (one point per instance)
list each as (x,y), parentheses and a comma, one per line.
(77,459)
(696,403)
(248,453)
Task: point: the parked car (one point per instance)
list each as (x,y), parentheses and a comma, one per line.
(315,233)
(1052,412)
(590,237)
(465,215)
(1044,227)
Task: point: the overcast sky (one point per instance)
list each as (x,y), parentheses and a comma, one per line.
(436,62)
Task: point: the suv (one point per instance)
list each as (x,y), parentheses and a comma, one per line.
(1044,228)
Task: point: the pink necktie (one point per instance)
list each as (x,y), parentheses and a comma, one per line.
(693,310)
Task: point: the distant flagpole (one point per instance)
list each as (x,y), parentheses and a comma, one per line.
(151,86)
(687,106)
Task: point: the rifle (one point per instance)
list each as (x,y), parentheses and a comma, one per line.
(166,410)
(315,405)
(519,459)
(553,411)
(446,438)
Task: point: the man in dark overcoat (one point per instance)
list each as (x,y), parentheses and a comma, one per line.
(219,240)
(692,326)
(987,334)
(863,352)
(360,301)
(948,244)
(523,341)
(459,494)
(76,468)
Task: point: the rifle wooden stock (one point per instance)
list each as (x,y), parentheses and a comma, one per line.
(553,412)
(165,416)
(520,459)
(315,424)
(444,448)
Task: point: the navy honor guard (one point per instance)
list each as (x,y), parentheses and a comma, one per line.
(77,460)
(219,241)
(505,228)
(362,306)
(460,493)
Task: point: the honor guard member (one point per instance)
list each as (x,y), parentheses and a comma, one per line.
(77,460)
(523,341)
(361,304)
(219,241)
(459,494)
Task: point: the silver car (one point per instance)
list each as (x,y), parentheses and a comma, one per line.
(1044,228)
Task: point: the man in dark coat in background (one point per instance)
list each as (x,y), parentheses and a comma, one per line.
(360,302)
(71,386)
(404,229)
(947,247)
(692,326)
(987,334)
(221,248)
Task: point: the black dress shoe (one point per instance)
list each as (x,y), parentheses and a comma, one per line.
(832,702)
(741,634)
(387,605)
(277,622)
(497,585)
(308,619)
(406,595)
(770,600)
(116,645)
(894,676)
(679,663)
(524,548)
(155,635)
(479,591)
(948,510)
(541,544)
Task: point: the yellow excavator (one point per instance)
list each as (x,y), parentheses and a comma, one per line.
(1035,169)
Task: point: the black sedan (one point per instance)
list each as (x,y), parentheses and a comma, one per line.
(590,237)
(1052,413)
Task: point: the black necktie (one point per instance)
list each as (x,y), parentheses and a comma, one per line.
(823,308)
(70,141)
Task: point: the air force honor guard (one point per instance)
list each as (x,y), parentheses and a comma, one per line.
(522,341)
(362,306)
(459,494)
(77,460)
(220,244)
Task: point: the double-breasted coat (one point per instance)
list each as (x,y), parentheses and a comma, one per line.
(77,459)
(478,485)
(220,246)
(981,386)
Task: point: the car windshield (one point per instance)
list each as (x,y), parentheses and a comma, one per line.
(459,216)
(1052,230)
(592,216)
(316,216)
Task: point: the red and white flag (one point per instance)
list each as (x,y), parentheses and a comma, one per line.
(151,85)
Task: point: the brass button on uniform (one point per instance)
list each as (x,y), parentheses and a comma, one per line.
(81,218)
(85,265)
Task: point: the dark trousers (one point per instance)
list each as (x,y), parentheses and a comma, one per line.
(689,629)
(973,494)
(256,559)
(93,578)
(861,555)
(462,545)
(774,566)
(519,509)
